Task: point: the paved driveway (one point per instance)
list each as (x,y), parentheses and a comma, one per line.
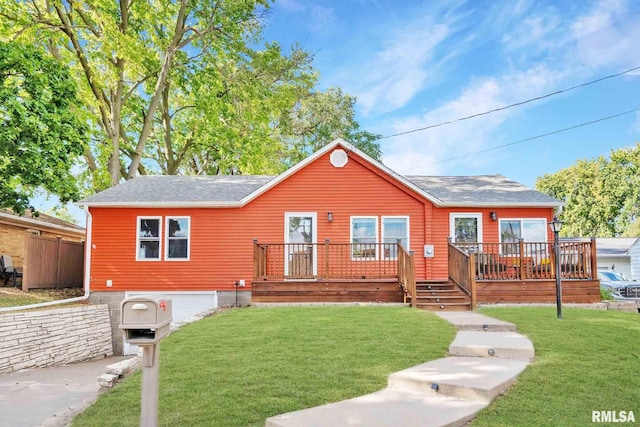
(51,396)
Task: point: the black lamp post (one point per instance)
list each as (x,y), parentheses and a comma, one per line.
(556,226)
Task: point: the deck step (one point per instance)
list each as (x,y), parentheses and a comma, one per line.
(472,378)
(446,299)
(451,306)
(501,345)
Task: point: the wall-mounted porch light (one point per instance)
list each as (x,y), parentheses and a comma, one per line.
(494,216)
(330,216)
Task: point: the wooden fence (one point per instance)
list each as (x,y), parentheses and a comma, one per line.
(52,263)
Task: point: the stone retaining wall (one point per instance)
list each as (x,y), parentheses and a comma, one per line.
(37,339)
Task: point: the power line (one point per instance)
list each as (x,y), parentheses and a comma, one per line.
(511,105)
(527,139)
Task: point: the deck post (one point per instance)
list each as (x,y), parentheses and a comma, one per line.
(412,279)
(521,251)
(594,259)
(326,258)
(472,280)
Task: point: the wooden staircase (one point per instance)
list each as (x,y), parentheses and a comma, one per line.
(438,295)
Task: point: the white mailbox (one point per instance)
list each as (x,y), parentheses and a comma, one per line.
(145,320)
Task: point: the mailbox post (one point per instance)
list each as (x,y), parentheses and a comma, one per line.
(145,321)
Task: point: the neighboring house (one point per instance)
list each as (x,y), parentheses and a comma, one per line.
(325,230)
(14,229)
(620,254)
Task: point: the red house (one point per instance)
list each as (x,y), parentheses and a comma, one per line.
(338,226)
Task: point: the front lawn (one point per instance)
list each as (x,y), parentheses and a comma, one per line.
(14,297)
(588,361)
(239,367)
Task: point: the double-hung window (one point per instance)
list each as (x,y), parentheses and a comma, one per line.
(394,229)
(364,236)
(178,236)
(149,236)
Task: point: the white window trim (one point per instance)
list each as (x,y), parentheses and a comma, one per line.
(452,223)
(166,245)
(159,218)
(542,220)
(501,220)
(406,217)
(314,240)
(375,218)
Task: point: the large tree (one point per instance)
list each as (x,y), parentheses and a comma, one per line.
(41,136)
(601,196)
(185,86)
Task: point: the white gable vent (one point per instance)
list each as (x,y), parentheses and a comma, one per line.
(339,158)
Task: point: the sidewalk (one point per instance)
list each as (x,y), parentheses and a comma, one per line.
(50,396)
(485,358)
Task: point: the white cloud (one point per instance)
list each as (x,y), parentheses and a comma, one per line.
(321,17)
(400,70)
(607,35)
(416,153)
(291,5)
(533,33)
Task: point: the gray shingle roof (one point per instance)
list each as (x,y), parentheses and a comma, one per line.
(180,189)
(231,189)
(480,190)
(614,246)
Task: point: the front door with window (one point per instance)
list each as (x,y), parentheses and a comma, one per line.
(466,227)
(300,249)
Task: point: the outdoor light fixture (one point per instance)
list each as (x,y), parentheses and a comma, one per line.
(556,226)
(494,216)
(329,216)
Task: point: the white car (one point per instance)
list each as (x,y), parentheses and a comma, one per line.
(621,287)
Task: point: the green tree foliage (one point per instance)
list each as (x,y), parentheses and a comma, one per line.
(324,116)
(40,135)
(180,87)
(601,196)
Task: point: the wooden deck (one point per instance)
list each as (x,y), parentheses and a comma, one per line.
(483,273)
(292,291)
(536,291)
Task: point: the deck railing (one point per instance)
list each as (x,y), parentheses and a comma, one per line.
(407,274)
(532,260)
(461,270)
(277,261)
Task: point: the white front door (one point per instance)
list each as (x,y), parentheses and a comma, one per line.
(300,230)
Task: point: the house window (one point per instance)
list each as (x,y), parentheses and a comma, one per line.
(177,246)
(530,230)
(364,236)
(394,228)
(148,239)
(465,227)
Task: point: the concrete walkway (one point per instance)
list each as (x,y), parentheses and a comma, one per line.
(50,396)
(486,357)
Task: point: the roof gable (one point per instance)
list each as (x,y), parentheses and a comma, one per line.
(238,190)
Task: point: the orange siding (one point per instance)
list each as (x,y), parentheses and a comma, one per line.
(221,249)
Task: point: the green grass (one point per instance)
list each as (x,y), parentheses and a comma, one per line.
(14,301)
(242,366)
(585,362)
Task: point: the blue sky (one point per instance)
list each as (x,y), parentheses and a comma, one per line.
(413,64)
(416,63)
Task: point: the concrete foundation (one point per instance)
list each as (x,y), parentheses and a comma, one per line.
(113,300)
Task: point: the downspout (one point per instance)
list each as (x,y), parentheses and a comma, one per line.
(87,276)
